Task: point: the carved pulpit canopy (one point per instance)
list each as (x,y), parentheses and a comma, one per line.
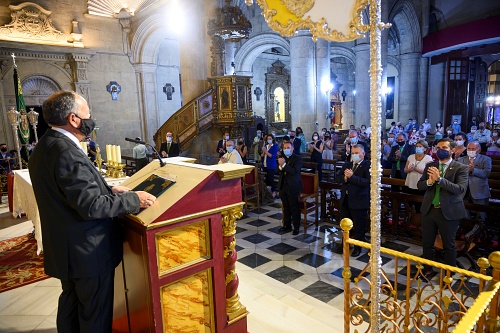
(31,24)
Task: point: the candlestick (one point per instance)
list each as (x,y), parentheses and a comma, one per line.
(118,154)
(113,153)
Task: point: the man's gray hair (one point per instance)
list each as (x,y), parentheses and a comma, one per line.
(360,146)
(59,106)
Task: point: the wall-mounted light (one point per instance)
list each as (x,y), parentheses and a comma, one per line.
(344,94)
(354,92)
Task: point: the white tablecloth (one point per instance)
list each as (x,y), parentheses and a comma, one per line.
(24,201)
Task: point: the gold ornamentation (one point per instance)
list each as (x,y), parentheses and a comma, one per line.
(234,309)
(229,218)
(299,7)
(229,249)
(230,277)
(318,29)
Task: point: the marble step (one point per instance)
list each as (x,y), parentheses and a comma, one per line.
(276,307)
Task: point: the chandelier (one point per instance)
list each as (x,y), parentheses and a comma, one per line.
(230,23)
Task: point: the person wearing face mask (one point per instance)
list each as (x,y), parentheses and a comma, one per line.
(479,170)
(323,132)
(335,138)
(456,126)
(302,138)
(470,135)
(81,239)
(391,139)
(231,155)
(316,148)
(398,157)
(386,150)
(351,140)
(257,144)
(169,148)
(449,133)
(414,168)
(482,136)
(355,194)
(242,149)
(7,159)
(445,183)
(473,122)
(221,145)
(493,144)
(269,162)
(327,151)
(289,186)
(461,146)
(296,143)
(426,126)
(438,131)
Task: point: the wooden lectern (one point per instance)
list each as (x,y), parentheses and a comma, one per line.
(178,269)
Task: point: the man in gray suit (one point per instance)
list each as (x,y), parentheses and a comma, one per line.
(445,184)
(479,171)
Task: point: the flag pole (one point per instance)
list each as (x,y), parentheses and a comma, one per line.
(14,116)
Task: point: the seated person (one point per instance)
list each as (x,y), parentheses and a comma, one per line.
(230,156)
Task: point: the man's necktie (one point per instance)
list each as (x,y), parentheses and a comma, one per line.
(355,167)
(435,200)
(398,163)
(168,147)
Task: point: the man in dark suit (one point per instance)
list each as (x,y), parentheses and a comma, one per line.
(290,185)
(6,159)
(398,157)
(355,194)
(221,145)
(81,240)
(295,142)
(350,142)
(169,148)
(445,184)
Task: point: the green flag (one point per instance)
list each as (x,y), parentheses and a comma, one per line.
(24,126)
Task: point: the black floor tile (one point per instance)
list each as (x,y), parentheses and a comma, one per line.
(395,246)
(254,260)
(285,274)
(258,223)
(354,273)
(313,259)
(260,210)
(238,248)
(256,238)
(365,257)
(276,205)
(306,238)
(282,248)
(323,291)
(240,229)
(276,216)
(413,271)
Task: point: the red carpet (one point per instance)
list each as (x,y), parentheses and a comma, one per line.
(19,263)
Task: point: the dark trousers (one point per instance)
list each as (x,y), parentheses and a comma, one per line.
(86,305)
(358,217)
(397,188)
(141,163)
(291,211)
(270,179)
(433,222)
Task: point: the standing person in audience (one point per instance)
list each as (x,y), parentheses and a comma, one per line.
(398,157)
(479,170)
(335,138)
(257,144)
(81,239)
(445,183)
(393,127)
(296,143)
(323,132)
(6,159)
(355,194)
(269,154)
(386,150)
(352,140)
(231,155)
(414,168)
(409,126)
(221,145)
(302,138)
(364,135)
(289,186)
(328,151)
(449,133)
(493,144)
(316,149)
(140,154)
(461,146)
(470,135)
(438,131)
(482,136)
(391,139)
(242,149)
(169,148)
(426,126)
(456,126)
(473,122)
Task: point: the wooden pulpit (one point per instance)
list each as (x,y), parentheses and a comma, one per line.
(178,268)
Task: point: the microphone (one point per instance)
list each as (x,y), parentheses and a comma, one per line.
(135,141)
(147,144)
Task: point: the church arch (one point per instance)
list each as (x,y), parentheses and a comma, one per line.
(247,54)
(405,19)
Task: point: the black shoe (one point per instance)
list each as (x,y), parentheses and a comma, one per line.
(285,229)
(339,249)
(295,232)
(356,252)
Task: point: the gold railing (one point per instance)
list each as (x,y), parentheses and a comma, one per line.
(460,301)
(189,121)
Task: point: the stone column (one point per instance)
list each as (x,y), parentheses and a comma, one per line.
(322,82)
(303,82)
(408,86)
(79,65)
(145,75)
(436,92)
(422,89)
(362,99)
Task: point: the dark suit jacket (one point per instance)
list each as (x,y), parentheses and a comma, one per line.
(478,179)
(221,144)
(291,174)
(296,146)
(80,237)
(407,151)
(452,190)
(174,149)
(358,186)
(347,157)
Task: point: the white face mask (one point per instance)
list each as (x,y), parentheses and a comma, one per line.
(355,158)
(315,137)
(323,133)
(471,153)
(449,132)
(227,137)
(169,139)
(270,141)
(390,140)
(460,143)
(494,134)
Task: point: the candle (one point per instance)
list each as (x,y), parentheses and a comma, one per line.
(108,153)
(113,153)
(118,154)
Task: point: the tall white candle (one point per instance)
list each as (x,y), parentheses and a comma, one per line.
(108,153)
(118,154)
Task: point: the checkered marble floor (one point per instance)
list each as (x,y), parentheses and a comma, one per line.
(306,262)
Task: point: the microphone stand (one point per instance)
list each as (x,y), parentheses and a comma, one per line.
(162,164)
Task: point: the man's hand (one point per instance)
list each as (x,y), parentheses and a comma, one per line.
(398,154)
(281,161)
(348,173)
(224,160)
(433,174)
(120,189)
(145,199)
(471,167)
(163,153)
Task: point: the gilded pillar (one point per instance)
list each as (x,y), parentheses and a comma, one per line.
(234,309)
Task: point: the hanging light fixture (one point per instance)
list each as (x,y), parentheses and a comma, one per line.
(230,23)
